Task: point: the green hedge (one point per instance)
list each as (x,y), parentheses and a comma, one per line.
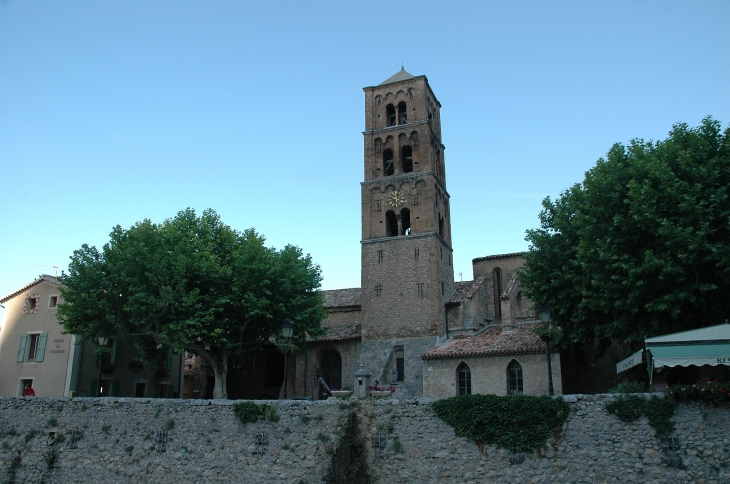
(520,423)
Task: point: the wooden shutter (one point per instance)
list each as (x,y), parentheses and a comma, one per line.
(117,358)
(115,388)
(21,350)
(169,359)
(170,391)
(94,387)
(158,391)
(42,338)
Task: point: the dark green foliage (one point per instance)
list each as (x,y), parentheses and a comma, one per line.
(52,422)
(192,283)
(12,432)
(12,469)
(31,433)
(627,386)
(128,449)
(106,428)
(249,412)
(169,424)
(659,411)
(520,422)
(642,246)
(271,414)
(51,457)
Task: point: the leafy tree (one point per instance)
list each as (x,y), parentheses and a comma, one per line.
(642,246)
(192,283)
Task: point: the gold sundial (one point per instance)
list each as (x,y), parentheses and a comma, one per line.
(396,199)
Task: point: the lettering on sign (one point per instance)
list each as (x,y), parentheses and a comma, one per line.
(57,351)
(724,361)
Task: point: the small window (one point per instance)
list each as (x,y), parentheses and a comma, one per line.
(31,304)
(140,389)
(400,364)
(514,378)
(53,302)
(390,114)
(463,373)
(441,225)
(497,284)
(402,114)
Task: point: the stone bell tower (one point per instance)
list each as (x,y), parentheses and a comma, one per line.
(407,273)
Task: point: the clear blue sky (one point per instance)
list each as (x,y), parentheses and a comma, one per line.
(116,111)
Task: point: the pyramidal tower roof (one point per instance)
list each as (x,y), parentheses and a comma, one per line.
(401,75)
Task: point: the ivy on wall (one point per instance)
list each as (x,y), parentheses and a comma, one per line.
(249,412)
(659,411)
(520,423)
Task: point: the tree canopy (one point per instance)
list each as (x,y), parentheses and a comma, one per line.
(191,283)
(642,246)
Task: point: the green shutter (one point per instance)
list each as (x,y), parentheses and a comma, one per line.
(169,359)
(21,350)
(158,391)
(170,392)
(41,347)
(94,387)
(115,388)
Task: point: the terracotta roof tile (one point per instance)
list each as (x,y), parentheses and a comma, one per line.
(342,298)
(341,332)
(498,256)
(44,277)
(490,342)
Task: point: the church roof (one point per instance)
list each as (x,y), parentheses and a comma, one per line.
(498,256)
(401,75)
(44,277)
(465,290)
(341,332)
(490,342)
(342,298)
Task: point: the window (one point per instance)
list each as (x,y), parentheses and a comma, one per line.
(32,347)
(405,219)
(390,114)
(140,388)
(388,168)
(400,364)
(463,374)
(53,302)
(514,378)
(164,390)
(402,115)
(391,224)
(31,304)
(441,225)
(407,159)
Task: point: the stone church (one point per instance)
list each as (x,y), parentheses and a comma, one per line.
(410,324)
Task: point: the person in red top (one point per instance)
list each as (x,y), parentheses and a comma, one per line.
(28,391)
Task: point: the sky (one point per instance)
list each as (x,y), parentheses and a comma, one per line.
(112,112)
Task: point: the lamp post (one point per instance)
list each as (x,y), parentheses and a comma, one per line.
(544,312)
(103,338)
(288,329)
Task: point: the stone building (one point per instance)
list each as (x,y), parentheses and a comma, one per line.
(410,324)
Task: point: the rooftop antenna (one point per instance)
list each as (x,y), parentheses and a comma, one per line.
(401,66)
(460,278)
(55,268)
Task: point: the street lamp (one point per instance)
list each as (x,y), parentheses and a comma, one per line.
(288,329)
(544,313)
(103,338)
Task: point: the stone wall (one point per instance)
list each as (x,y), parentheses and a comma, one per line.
(119,442)
(594,447)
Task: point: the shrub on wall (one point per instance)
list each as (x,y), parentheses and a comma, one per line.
(659,411)
(520,423)
(249,412)
(703,391)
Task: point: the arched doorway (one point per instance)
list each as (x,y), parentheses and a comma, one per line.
(330,362)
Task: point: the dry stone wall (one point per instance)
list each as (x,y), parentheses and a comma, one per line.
(154,440)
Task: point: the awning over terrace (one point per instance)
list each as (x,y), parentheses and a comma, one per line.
(704,346)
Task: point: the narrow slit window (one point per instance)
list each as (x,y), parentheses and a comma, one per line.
(390,114)
(463,373)
(391,224)
(514,378)
(405,217)
(388,168)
